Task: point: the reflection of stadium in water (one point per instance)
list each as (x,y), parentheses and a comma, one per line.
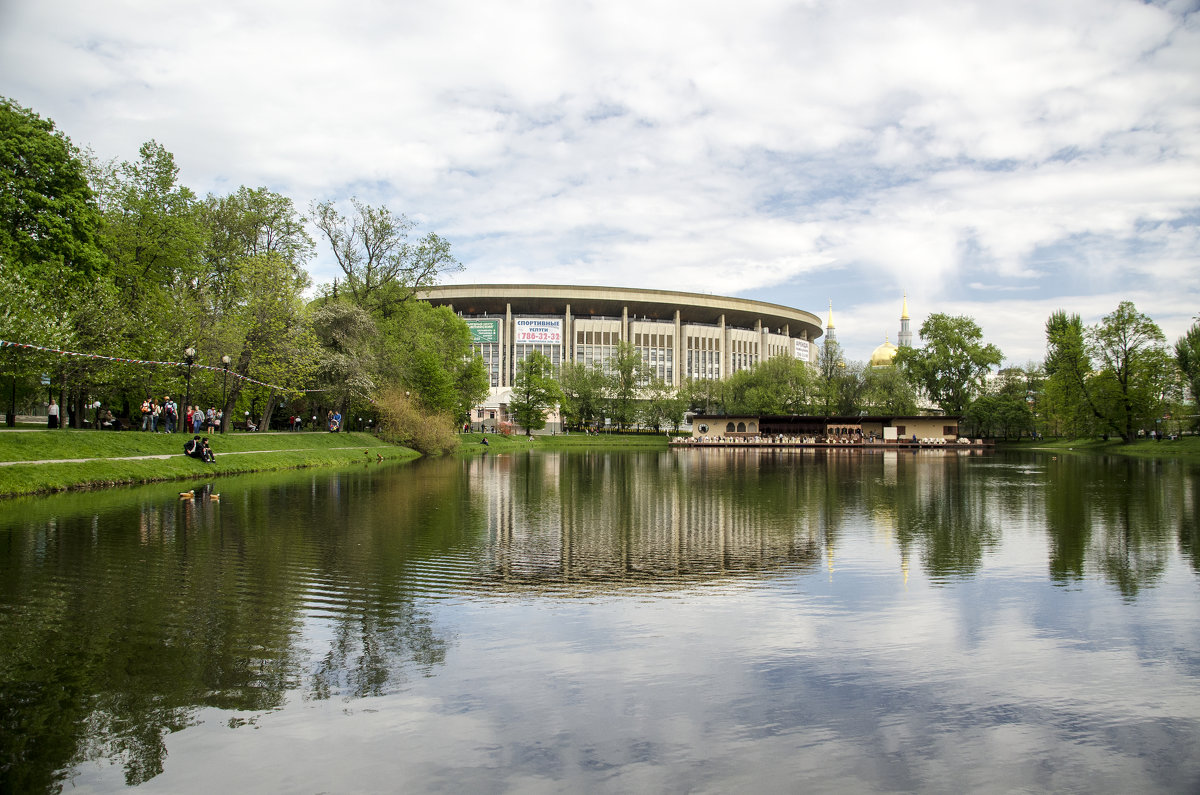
(584,520)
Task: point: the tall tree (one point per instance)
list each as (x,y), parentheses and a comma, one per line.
(583,387)
(48,214)
(1133,368)
(953,363)
(1066,399)
(371,246)
(534,391)
(628,371)
(1187,357)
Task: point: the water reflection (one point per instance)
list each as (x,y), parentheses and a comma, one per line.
(772,586)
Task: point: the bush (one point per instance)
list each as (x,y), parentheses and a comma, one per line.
(402,421)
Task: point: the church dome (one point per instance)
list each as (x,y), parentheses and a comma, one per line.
(883,355)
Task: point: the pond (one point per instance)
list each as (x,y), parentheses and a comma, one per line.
(682,621)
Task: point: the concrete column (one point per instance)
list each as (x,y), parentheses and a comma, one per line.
(506,350)
(624,324)
(724,340)
(568,354)
(680,352)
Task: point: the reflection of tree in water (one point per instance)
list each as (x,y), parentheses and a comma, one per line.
(118,627)
(949,515)
(1131,538)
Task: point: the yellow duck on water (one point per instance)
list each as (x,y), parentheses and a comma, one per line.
(187,495)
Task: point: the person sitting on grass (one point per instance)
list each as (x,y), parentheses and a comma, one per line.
(206,451)
(193,448)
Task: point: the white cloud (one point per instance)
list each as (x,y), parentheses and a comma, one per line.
(1016,155)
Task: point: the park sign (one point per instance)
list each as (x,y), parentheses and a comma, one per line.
(484,331)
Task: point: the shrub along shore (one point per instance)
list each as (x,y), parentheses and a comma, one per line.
(67,459)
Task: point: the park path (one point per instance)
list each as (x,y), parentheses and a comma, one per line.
(168,455)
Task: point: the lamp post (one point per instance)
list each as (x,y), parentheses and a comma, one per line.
(189,356)
(224,387)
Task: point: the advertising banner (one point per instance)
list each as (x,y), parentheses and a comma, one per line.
(538,331)
(484,330)
(800,350)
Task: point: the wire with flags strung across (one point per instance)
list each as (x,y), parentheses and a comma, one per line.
(152,362)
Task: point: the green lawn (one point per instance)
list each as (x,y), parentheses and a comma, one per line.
(283,451)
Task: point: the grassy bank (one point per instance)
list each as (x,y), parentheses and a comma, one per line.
(110,457)
(1186,448)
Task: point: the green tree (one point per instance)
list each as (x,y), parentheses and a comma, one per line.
(887,391)
(663,405)
(953,363)
(583,390)
(534,391)
(779,385)
(1067,405)
(628,371)
(428,350)
(49,219)
(382,268)
(346,366)
(1187,358)
(1133,369)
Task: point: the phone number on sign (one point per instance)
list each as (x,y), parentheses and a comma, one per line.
(539,336)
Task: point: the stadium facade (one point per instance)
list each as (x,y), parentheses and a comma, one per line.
(680,335)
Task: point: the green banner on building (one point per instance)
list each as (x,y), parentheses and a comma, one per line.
(484,330)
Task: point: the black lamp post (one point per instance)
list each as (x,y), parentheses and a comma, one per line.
(224,387)
(189,356)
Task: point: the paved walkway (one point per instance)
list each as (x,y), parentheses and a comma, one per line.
(169,455)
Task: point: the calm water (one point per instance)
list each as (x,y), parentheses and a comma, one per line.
(687,621)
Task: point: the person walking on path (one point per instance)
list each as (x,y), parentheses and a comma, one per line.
(170,412)
(197,420)
(155,413)
(146,414)
(52,414)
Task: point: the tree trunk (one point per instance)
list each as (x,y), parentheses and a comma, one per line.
(264,424)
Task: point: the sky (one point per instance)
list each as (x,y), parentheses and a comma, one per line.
(995,160)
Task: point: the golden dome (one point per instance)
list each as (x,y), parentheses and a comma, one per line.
(884,354)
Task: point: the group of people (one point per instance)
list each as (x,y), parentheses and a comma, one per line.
(154,412)
(198,448)
(195,418)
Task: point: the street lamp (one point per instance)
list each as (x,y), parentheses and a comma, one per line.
(189,356)
(224,387)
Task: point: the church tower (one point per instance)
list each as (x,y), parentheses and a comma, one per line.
(904,338)
(830,333)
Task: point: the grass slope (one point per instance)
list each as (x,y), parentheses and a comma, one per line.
(236,453)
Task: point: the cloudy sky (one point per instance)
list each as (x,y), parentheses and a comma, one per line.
(999,160)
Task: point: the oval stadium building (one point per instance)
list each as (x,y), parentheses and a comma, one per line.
(680,335)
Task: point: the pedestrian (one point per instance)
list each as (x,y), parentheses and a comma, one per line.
(52,414)
(210,417)
(155,413)
(170,412)
(146,412)
(197,419)
(220,418)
